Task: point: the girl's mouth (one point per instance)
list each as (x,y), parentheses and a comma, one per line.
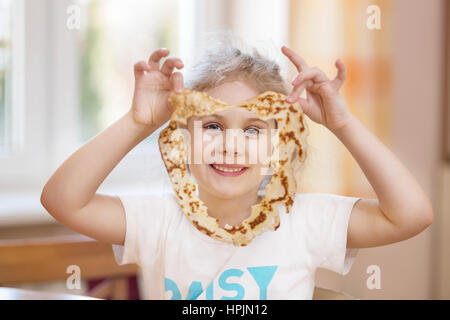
(228,170)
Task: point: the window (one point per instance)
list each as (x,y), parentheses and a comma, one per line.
(77,81)
(11,65)
(5,67)
(116,35)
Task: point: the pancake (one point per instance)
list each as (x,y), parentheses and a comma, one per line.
(287,157)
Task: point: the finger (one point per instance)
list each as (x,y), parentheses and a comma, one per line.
(140,68)
(298,61)
(156,57)
(177,81)
(305,105)
(170,64)
(314,74)
(297,91)
(321,89)
(341,75)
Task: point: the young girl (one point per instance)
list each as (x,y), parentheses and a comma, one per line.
(180,262)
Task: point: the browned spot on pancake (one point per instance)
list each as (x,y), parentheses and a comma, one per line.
(235,229)
(268,99)
(284,184)
(278,110)
(202,229)
(289,202)
(194,206)
(170,165)
(288,118)
(290,135)
(265,206)
(187,189)
(292,109)
(259,219)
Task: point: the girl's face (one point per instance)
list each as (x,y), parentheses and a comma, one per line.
(234,145)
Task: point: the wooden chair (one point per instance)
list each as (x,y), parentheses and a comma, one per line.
(47,259)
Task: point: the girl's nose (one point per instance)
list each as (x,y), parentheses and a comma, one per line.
(234,145)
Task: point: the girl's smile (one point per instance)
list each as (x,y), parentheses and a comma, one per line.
(228,170)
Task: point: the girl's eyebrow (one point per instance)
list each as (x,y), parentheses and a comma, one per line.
(247,119)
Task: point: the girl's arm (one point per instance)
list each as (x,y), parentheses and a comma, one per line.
(401,209)
(70,194)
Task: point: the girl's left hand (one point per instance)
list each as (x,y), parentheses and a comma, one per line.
(324,104)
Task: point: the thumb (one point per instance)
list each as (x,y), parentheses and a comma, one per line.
(341,75)
(140,68)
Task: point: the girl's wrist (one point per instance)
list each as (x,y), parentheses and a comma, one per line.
(141,130)
(346,128)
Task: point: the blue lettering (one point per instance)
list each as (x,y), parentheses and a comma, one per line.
(170,285)
(262,276)
(240,291)
(195,290)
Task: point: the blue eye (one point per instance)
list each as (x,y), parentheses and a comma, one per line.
(212,126)
(252,131)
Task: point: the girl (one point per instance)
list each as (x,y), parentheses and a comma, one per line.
(180,262)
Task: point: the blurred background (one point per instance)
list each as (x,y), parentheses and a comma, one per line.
(66,74)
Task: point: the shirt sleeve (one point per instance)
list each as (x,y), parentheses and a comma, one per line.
(146,219)
(325,218)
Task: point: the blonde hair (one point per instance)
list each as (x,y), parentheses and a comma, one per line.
(229,59)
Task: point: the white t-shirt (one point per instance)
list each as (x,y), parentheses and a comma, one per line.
(179,262)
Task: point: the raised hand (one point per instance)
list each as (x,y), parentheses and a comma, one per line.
(153,86)
(324,104)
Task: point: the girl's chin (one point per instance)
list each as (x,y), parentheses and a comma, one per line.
(227,190)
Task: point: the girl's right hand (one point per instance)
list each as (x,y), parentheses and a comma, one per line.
(153,86)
